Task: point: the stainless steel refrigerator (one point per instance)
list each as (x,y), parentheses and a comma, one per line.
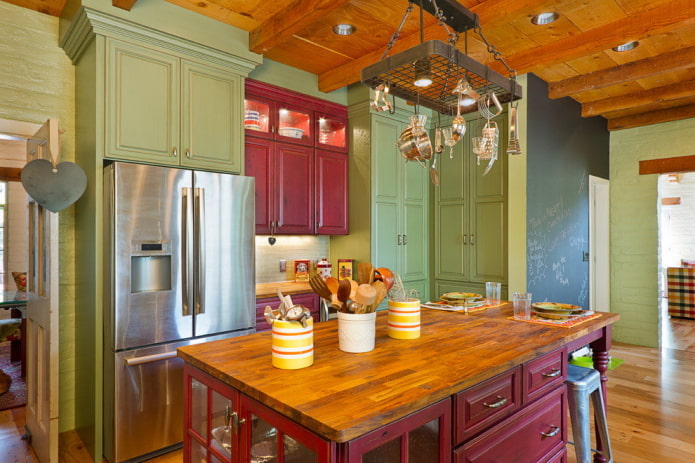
(180,268)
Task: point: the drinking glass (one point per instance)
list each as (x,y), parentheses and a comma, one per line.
(493,290)
(522,306)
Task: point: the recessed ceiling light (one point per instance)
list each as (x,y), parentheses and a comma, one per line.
(544,18)
(626,46)
(344,29)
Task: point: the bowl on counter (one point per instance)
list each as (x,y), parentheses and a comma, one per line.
(292,132)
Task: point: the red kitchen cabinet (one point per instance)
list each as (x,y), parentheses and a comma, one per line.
(540,429)
(308,300)
(224,426)
(422,436)
(296,148)
(331,181)
(284,186)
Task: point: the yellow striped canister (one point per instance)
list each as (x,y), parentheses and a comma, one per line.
(404,319)
(293,344)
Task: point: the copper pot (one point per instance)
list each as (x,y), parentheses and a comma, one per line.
(415,148)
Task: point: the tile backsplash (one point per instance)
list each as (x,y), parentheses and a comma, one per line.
(288,248)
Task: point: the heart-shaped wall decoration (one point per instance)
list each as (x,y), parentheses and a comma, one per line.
(55,189)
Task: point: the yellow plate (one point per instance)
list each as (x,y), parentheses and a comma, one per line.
(460,296)
(555,307)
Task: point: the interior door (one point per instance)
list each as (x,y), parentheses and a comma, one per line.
(42,310)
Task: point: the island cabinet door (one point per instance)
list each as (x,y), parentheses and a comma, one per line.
(424,436)
(210,420)
(268,436)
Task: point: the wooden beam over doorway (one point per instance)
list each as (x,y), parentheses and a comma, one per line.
(667,165)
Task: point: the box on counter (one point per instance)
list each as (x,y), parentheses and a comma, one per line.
(302,269)
(345,269)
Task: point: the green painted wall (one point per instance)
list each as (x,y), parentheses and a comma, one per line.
(36,83)
(633,225)
(300,81)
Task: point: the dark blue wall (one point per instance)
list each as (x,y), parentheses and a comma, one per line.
(563,150)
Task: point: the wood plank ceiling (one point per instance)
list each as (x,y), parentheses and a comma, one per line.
(654,82)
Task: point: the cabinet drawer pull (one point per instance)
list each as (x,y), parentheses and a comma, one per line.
(472,240)
(553,373)
(400,239)
(465,239)
(501,401)
(405,239)
(236,421)
(553,431)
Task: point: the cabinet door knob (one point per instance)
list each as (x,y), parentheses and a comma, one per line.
(465,239)
(188,153)
(175,152)
(405,239)
(400,240)
(472,240)
(236,421)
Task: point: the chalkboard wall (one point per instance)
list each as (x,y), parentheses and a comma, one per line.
(563,150)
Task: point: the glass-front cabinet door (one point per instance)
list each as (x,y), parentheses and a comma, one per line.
(271,438)
(332,132)
(422,436)
(259,117)
(295,124)
(210,419)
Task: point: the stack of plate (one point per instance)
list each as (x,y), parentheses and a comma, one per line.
(471,299)
(558,311)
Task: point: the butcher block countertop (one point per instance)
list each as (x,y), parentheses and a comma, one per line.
(343,395)
(287,287)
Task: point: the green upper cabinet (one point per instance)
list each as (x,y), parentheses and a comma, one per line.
(163,109)
(470,216)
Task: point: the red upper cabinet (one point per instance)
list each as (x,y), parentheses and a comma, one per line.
(296,148)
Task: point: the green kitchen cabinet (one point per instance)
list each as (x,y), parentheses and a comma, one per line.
(164,109)
(389,198)
(470,211)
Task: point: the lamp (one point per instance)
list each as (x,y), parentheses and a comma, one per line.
(447,66)
(423,77)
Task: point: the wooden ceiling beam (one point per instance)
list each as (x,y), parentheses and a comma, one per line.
(283,24)
(635,100)
(661,19)
(10,174)
(489,13)
(652,117)
(666,62)
(124,4)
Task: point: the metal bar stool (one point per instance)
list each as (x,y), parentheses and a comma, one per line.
(582,383)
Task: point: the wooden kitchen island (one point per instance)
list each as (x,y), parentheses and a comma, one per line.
(472,388)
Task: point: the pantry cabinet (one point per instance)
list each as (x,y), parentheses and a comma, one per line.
(470,214)
(296,148)
(389,198)
(164,109)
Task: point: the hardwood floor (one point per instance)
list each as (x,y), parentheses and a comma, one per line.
(651,407)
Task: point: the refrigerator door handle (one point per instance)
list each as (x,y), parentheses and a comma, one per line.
(150,358)
(185,297)
(199,265)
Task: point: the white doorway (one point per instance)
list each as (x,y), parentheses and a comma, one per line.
(599,250)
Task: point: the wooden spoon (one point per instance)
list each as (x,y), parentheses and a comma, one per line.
(344,289)
(353,289)
(364,270)
(332,283)
(366,294)
(381,291)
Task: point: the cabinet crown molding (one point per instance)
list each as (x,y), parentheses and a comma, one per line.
(89,22)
